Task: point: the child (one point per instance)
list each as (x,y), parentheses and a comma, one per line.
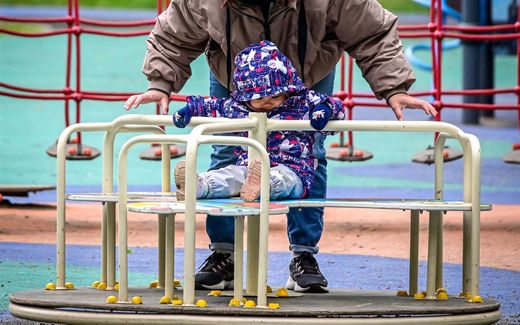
(265,81)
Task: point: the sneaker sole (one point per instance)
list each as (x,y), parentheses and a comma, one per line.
(179,175)
(219,286)
(250,191)
(313,288)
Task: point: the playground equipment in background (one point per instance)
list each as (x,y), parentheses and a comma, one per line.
(447,11)
(86,306)
(76,149)
(435,30)
(346,151)
(513,157)
(21,190)
(426,156)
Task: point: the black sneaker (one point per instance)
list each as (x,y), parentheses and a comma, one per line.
(216,273)
(305,275)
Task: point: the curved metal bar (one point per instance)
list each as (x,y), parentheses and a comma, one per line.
(122,190)
(475,154)
(386,126)
(439,194)
(108,224)
(191,151)
(121,122)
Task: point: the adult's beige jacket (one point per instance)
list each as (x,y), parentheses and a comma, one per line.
(363,28)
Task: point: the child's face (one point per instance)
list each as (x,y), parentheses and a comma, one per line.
(267,104)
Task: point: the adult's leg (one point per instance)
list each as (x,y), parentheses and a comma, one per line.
(304,226)
(216,273)
(221,230)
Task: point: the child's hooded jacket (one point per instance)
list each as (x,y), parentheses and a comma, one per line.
(261,71)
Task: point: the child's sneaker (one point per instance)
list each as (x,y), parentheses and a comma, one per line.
(250,191)
(179,175)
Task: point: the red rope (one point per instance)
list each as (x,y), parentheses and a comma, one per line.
(101,23)
(434,30)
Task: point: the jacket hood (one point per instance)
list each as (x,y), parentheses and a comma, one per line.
(263,70)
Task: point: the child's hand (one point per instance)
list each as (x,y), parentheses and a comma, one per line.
(182,117)
(320,116)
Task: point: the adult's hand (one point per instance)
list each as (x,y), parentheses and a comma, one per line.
(400,101)
(150,96)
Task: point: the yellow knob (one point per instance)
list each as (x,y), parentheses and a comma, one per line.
(250,304)
(477,299)
(234,302)
(111,300)
(164,300)
(102,286)
(201,303)
(50,286)
(441,290)
(282,292)
(137,300)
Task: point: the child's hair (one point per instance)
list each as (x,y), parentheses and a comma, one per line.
(262,70)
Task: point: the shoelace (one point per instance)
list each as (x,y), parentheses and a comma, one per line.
(306,263)
(214,261)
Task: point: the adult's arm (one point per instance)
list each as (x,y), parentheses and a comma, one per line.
(177,39)
(369,33)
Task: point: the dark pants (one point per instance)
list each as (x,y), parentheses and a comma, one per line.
(304,226)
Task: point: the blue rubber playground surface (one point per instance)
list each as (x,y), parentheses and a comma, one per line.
(33,265)
(29,127)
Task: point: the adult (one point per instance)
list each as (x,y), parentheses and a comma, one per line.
(313,34)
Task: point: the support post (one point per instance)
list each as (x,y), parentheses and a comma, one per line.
(414,253)
(253,222)
(432,254)
(162,239)
(111,243)
(238,292)
(169,252)
(161,226)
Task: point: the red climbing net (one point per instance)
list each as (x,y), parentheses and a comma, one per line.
(435,30)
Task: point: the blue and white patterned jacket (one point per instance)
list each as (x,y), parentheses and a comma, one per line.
(263,70)
(290,148)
